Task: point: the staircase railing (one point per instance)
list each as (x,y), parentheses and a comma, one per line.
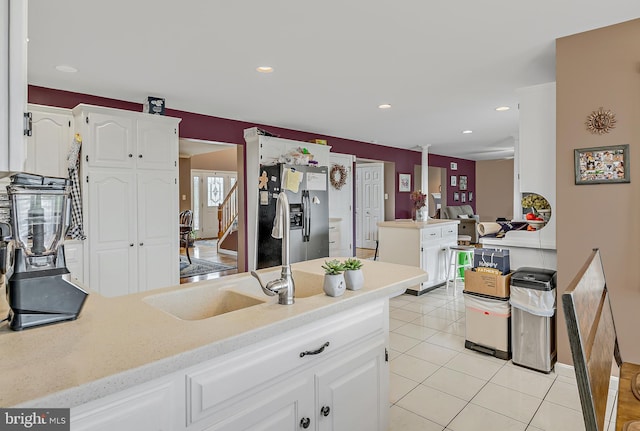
(227,213)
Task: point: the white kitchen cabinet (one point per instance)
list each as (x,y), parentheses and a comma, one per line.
(74,255)
(107,139)
(13,85)
(130,199)
(286,406)
(421,244)
(50,140)
(154,406)
(343,368)
(342,383)
(110,218)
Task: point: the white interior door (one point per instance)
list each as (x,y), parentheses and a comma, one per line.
(369,203)
(209,188)
(341,209)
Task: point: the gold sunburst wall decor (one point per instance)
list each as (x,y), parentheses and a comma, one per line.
(601,121)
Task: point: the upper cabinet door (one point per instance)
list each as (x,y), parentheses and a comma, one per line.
(110,143)
(157,145)
(48,145)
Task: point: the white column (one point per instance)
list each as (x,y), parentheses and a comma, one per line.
(424,181)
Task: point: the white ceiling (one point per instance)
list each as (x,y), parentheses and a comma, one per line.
(193,147)
(444,66)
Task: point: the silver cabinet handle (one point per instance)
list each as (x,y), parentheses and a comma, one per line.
(304,423)
(325,410)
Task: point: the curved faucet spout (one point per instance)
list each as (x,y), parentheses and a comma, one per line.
(283,286)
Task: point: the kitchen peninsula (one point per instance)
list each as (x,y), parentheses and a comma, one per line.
(168,360)
(423,244)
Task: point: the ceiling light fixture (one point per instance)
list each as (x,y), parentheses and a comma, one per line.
(466,132)
(502,108)
(384,106)
(66,68)
(264,69)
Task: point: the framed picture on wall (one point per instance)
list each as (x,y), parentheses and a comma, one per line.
(470,196)
(463,197)
(404,182)
(456,196)
(454,181)
(453,166)
(602,165)
(463,182)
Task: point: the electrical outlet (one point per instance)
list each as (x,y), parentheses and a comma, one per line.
(386,196)
(184,197)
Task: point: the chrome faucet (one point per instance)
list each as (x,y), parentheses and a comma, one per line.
(284,286)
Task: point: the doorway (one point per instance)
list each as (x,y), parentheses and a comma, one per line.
(209,188)
(369,202)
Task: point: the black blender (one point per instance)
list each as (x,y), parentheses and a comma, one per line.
(39,288)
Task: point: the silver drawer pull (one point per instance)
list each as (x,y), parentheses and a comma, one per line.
(314,352)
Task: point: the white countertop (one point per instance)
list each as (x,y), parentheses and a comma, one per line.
(412,224)
(117,343)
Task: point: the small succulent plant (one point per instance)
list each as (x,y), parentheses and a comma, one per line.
(333,267)
(352,263)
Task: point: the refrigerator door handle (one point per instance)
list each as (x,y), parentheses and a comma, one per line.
(306,216)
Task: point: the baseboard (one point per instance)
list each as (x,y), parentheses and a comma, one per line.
(228,252)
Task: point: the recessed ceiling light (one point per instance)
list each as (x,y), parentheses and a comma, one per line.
(466,132)
(384,106)
(66,68)
(502,108)
(264,69)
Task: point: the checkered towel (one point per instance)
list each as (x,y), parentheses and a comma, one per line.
(73,165)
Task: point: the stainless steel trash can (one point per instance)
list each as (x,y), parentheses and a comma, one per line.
(533,318)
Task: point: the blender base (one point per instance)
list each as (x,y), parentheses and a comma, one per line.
(41,299)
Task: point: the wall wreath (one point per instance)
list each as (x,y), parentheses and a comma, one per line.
(338,176)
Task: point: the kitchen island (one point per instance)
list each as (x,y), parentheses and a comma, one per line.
(135,362)
(422,244)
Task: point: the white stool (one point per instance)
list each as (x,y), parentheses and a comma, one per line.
(454,262)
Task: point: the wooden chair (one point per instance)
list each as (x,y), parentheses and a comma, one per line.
(594,345)
(186,227)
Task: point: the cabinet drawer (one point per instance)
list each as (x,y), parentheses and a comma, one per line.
(430,234)
(450,231)
(214,388)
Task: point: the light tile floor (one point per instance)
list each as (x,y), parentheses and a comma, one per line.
(438,385)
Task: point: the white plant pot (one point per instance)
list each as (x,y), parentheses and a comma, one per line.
(334,285)
(354,279)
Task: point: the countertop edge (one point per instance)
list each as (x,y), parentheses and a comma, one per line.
(412,224)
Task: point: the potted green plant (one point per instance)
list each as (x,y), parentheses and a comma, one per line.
(334,284)
(353,276)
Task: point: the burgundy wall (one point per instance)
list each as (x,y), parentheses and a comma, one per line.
(465,167)
(205,127)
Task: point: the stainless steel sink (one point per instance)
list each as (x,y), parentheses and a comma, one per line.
(201,302)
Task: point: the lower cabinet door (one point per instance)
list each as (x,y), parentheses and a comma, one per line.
(286,406)
(434,261)
(353,390)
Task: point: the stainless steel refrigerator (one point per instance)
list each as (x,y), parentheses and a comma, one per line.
(307,190)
